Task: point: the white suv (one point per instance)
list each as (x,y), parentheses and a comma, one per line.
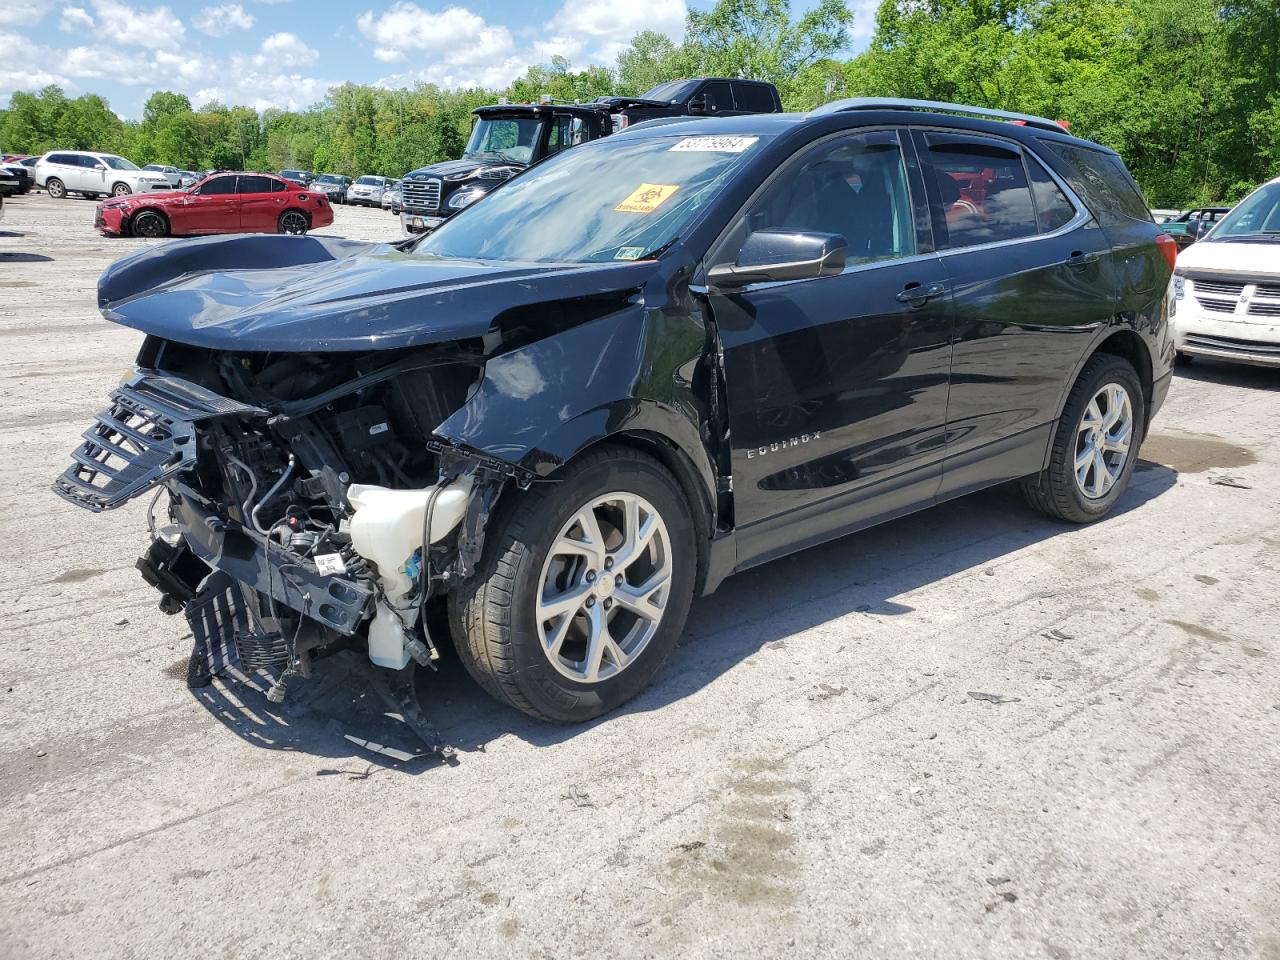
(367,191)
(94,175)
(1226,286)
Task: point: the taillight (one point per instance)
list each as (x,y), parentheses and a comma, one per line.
(1169,247)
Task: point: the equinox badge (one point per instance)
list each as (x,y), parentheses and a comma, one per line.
(782,445)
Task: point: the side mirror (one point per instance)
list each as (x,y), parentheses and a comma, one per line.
(702,103)
(99,166)
(782,255)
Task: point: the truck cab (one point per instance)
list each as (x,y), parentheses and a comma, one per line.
(506,139)
(699,96)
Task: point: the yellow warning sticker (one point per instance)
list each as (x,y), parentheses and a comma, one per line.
(647,198)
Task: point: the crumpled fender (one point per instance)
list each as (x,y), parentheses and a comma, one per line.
(631,371)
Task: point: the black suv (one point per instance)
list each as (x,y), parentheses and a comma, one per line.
(672,354)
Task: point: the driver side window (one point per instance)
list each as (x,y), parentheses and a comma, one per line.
(855,187)
(219,186)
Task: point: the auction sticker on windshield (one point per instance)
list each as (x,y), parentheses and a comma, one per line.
(647,198)
(714,144)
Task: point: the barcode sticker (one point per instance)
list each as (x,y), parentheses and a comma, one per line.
(714,144)
(330,564)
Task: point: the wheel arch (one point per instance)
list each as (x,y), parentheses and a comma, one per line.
(156,210)
(300,210)
(1127,344)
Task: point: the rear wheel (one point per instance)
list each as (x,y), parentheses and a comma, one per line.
(583,591)
(148,223)
(293,222)
(121,190)
(1095,445)
(56,188)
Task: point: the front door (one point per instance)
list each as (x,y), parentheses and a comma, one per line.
(1027,267)
(837,386)
(214,209)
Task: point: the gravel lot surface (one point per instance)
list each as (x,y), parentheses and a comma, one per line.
(820,770)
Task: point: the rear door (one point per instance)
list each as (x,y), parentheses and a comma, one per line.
(260,205)
(1028,270)
(837,386)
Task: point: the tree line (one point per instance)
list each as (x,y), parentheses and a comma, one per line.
(1188,91)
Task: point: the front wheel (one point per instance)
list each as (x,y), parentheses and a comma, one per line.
(150,224)
(56,188)
(121,190)
(293,222)
(583,590)
(1095,445)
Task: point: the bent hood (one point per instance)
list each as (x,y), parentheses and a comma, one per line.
(280,293)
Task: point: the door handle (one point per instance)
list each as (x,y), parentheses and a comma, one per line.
(1078,259)
(918,295)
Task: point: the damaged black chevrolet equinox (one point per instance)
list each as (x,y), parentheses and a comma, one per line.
(650,362)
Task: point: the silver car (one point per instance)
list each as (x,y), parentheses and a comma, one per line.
(367,191)
(172,174)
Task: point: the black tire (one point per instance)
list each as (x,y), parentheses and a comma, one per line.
(293,222)
(493,619)
(121,190)
(149,223)
(1183,359)
(55,188)
(1054,491)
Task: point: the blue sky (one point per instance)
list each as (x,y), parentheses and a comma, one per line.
(287,53)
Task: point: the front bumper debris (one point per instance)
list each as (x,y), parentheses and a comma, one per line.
(146,436)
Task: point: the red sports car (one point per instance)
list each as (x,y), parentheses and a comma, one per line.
(220,203)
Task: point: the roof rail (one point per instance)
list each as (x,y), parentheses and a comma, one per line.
(934,106)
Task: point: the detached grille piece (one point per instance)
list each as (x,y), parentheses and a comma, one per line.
(129,449)
(146,436)
(421,195)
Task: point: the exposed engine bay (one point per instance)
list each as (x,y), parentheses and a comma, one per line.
(309,482)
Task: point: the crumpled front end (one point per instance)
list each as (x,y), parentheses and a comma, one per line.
(293,496)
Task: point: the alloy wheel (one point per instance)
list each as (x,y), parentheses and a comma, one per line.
(148,224)
(604,587)
(121,190)
(1104,439)
(293,223)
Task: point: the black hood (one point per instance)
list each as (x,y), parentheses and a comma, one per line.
(280,293)
(461,165)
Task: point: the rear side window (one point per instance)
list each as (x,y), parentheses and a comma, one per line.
(62,158)
(755,97)
(1053,209)
(254,185)
(982,190)
(1104,183)
(278,186)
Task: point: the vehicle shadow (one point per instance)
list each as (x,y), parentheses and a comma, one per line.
(1206,370)
(338,711)
(24,258)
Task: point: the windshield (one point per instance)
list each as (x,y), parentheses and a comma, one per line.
(328,178)
(512,138)
(1256,215)
(608,200)
(671,90)
(118,163)
(370,181)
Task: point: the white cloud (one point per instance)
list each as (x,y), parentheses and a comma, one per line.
(154,29)
(262,91)
(596,31)
(284,50)
(26,65)
(220,20)
(20,14)
(864,22)
(454,37)
(75,20)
